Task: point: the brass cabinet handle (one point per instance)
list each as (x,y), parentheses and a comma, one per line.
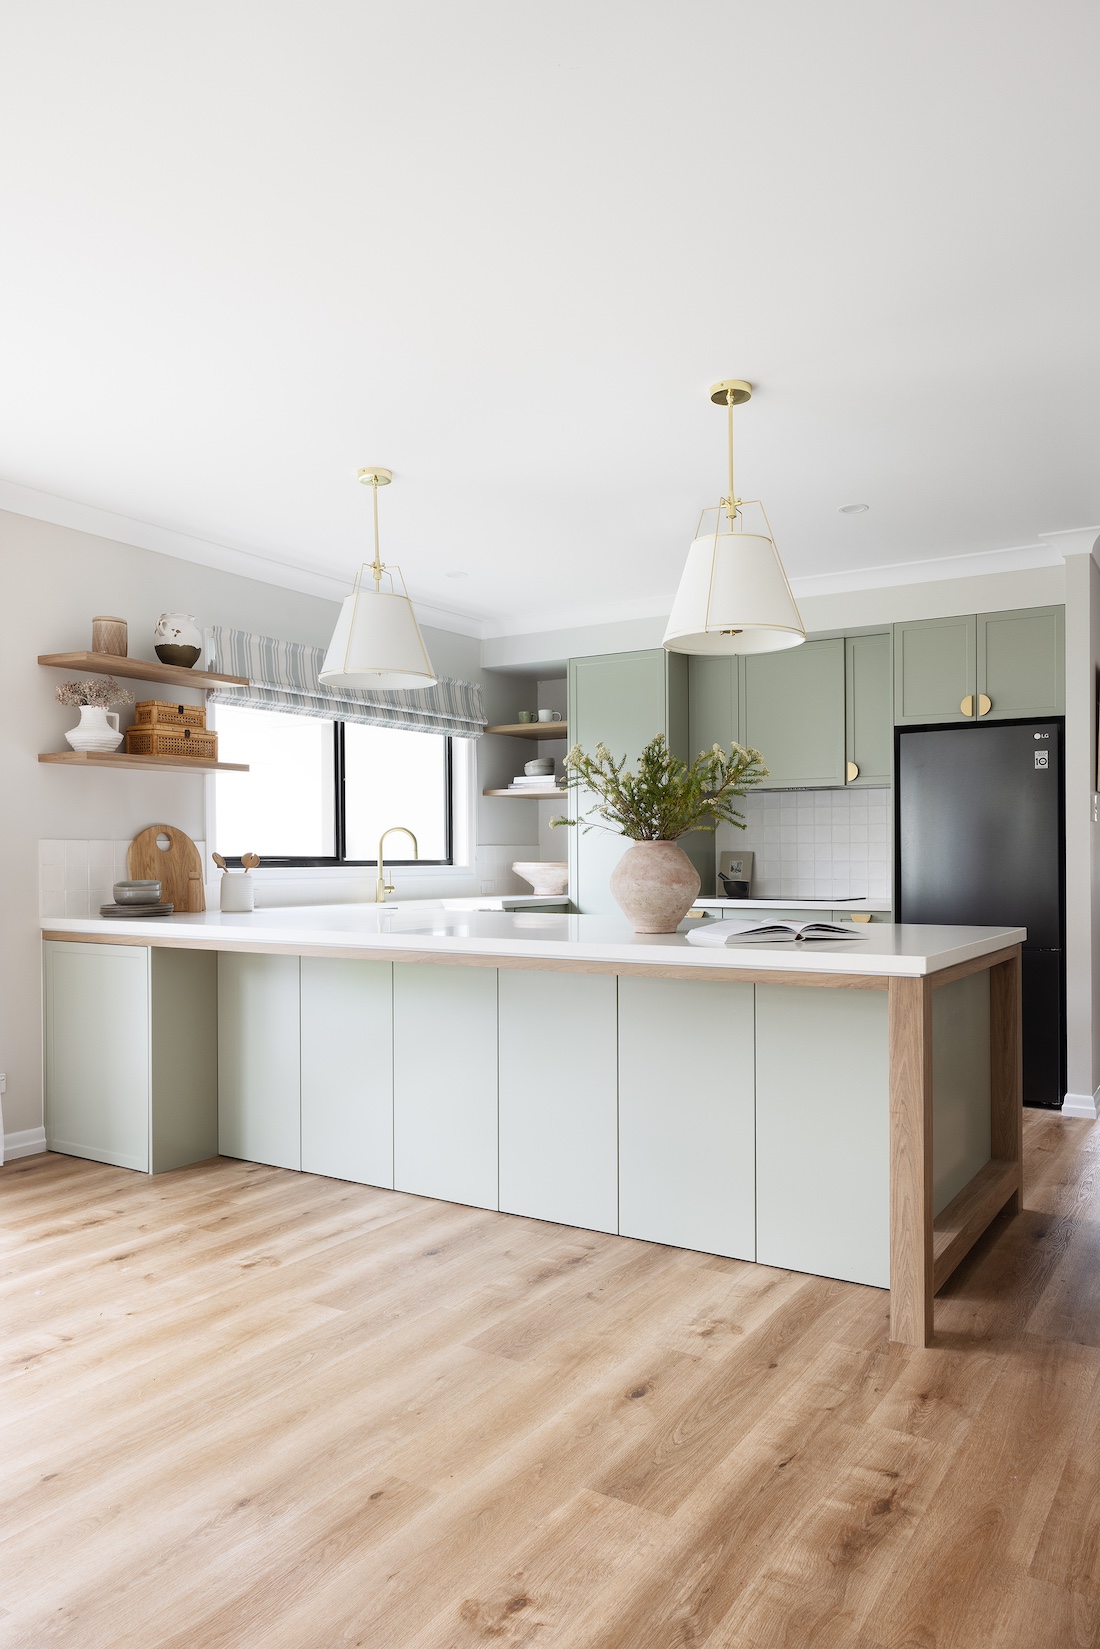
(985,704)
(852,772)
(967,705)
(861,916)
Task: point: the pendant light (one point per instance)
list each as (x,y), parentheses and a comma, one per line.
(734,596)
(377,641)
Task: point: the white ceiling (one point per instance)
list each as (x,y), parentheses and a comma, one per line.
(248,247)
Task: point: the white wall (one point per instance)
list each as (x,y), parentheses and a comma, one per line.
(1082,830)
(53,580)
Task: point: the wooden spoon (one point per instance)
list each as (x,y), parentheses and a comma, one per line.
(218,860)
(250,861)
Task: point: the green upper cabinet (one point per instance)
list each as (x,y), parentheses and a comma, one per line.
(712,702)
(792,711)
(1021,663)
(935,669)
(996,665)
(868,709)
(622,700)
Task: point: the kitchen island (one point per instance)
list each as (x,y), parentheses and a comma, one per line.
(848,1108)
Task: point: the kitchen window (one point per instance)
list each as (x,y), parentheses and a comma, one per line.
(322,792)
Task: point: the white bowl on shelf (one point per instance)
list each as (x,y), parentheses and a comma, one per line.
(546,876)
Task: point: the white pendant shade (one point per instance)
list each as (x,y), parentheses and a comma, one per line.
(377,643)
(733,598)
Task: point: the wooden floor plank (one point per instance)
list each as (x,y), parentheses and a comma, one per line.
(242,1407)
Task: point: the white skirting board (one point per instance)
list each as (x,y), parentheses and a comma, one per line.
(24,1142)
(1082,1105)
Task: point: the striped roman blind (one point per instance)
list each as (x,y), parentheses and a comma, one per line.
(284,675)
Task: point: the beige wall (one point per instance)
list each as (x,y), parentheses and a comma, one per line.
(52,580)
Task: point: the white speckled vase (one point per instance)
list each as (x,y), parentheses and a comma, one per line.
(97,729)
(654,884)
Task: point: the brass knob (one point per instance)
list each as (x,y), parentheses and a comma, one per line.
(861,916)
(853,772)
(985,704)
(967,705)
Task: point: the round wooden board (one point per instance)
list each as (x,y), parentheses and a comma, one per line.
(177,868)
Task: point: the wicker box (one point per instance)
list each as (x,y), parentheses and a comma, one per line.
(172,741)
(157,713)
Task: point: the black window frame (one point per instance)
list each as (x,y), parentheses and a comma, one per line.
(340,817)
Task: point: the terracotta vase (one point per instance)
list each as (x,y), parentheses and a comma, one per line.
(654,884)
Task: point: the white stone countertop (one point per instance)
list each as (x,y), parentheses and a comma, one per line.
(886,948)
(876,905)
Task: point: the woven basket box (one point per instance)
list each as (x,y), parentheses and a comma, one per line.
(157,713)
(172,741)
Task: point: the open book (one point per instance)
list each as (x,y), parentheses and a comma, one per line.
(760,933)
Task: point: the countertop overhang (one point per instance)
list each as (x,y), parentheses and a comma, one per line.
(883,949)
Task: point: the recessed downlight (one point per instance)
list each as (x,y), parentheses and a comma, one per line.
(456,574)
(853,509)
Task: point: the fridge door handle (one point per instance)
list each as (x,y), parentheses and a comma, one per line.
(985,704)
(967,705)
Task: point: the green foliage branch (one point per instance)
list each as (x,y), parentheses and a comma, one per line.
(663,797)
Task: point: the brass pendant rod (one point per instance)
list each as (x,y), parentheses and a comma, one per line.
(376,565)
(731,505)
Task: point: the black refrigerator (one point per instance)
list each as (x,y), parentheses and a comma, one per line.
(980,823)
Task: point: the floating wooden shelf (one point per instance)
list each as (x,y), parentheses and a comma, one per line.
(139,669)
(118,758)
(533,730)
(530,794)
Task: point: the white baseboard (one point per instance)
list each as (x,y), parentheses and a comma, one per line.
(1082,1105)
(25,1142)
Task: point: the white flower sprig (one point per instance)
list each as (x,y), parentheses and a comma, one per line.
(101,690)
(665,797)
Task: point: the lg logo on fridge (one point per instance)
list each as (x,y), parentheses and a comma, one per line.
(1042,757)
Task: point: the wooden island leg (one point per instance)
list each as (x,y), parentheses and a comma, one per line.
(1006,1070)
(911,1276)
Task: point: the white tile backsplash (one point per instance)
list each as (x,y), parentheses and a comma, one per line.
(816,844)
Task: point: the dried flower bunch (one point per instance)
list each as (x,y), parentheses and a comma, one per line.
(665,797)
(102,690)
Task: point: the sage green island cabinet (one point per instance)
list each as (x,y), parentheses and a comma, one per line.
(686,1114)
(445,1082)
(792,711)
(259,1059)
(868,709)
(623,700)
(990,665)
(347,1069)
(1021,663)
(131,1054)
(558,1124)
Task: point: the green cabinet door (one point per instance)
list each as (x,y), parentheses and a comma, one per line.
(868,709)
(712,702)
(620,700)
(935,669)
(792,711)
(1021,663)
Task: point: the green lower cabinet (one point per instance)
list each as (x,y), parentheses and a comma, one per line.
(347,1070)
(686,1124)
(1021,663)
(445,1082)
(792,711)
(823,1132)
(131,1054)
(868,709)
(558,1125)
(259,1059)
(935,669)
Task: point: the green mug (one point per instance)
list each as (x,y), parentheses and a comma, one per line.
(526,715)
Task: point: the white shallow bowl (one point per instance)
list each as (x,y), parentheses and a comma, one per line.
(544,875)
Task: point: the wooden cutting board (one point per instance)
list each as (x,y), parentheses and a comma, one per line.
(177,867)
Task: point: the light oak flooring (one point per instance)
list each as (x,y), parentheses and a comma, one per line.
(243,1407)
